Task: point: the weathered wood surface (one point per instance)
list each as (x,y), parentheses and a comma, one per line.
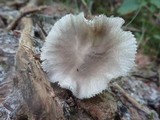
(36,90)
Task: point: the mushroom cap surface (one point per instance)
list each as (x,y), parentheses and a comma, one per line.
(85,55)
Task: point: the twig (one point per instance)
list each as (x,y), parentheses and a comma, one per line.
(136,14)
(17,4)
(131,99)
(24,13)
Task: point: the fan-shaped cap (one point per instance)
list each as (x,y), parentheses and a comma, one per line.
(84,55)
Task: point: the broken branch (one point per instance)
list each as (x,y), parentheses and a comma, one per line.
(25,12)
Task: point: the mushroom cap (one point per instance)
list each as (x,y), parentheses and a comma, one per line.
(85,55)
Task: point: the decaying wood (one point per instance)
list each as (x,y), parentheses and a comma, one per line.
(24,12)
(101,107)
(132,100)
(31,81)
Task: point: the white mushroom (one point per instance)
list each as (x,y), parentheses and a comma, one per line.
(85,55)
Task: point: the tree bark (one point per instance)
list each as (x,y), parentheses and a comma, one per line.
(37,92)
